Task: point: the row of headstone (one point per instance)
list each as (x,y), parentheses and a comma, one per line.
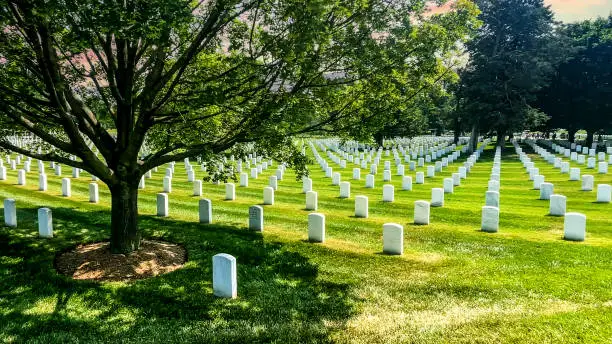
(604,193)
(574,223)
(490,211)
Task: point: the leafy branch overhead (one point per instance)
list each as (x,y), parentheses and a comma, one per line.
(189,77)
(125,86)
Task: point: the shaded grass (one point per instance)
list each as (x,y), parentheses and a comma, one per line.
(453,284)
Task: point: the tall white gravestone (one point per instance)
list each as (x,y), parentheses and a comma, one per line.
(205,210)
(256,221)
(316,227)
(393,238)
(225,280)
(574,227)
(10,212)
(421,212)
(45,223)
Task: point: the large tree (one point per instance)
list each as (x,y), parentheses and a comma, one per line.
(125,86)
(579,95)
(511,58)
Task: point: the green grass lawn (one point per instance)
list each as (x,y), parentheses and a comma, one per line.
(454,283)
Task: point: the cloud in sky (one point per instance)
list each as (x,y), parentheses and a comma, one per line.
(566,10)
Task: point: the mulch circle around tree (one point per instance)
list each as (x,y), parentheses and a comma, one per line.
(96,262)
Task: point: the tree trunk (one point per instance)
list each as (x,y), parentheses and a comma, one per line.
(571,135)
(501,137)
(125,236)
(379,137)
(589,140)
(456,130)
(474,138)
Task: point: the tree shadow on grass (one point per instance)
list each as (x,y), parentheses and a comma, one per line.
(280,294)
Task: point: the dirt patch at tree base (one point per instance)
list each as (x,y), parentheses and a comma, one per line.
(96,262)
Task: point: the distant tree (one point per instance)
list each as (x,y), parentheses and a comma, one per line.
(510,59)
(125,86)
(579,95)
(426,104)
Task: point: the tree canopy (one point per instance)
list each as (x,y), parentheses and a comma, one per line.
(510,59)
(579,95)
(124,86)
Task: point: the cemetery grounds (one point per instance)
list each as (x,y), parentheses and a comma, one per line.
(454,283)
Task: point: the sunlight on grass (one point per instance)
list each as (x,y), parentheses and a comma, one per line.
(454,283)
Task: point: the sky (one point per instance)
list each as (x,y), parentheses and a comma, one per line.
(572,10)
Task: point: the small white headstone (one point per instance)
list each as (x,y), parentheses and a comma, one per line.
(141,184)
(448,185)
(431,172)
(356,174)
(361,206)
(393,238)
(256,218)
(386,176)
(407,183)
(42,182)
(591,162)
(490,219)
(205,210)
(421,212)
(456,179)
(565,167)
(21,177)
(336,178)
(244,179)
(437,197)
(369,181)
(574,174)
(273,182)
(45,223)
(546,190)
(558,205)
(587,182)
(268,196)
(230,192)
(492,199)
(400,170)
(388,193)
(420,178)
(574,227)
(197,188)
(225,281)
(75,172)
(311,200)
(306,184)
(316,227)
(66,192)
(603,193)
(162,204)
(10,212)
(93,193)
(167,183)
(345,190)
(603,167)
(2,173)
